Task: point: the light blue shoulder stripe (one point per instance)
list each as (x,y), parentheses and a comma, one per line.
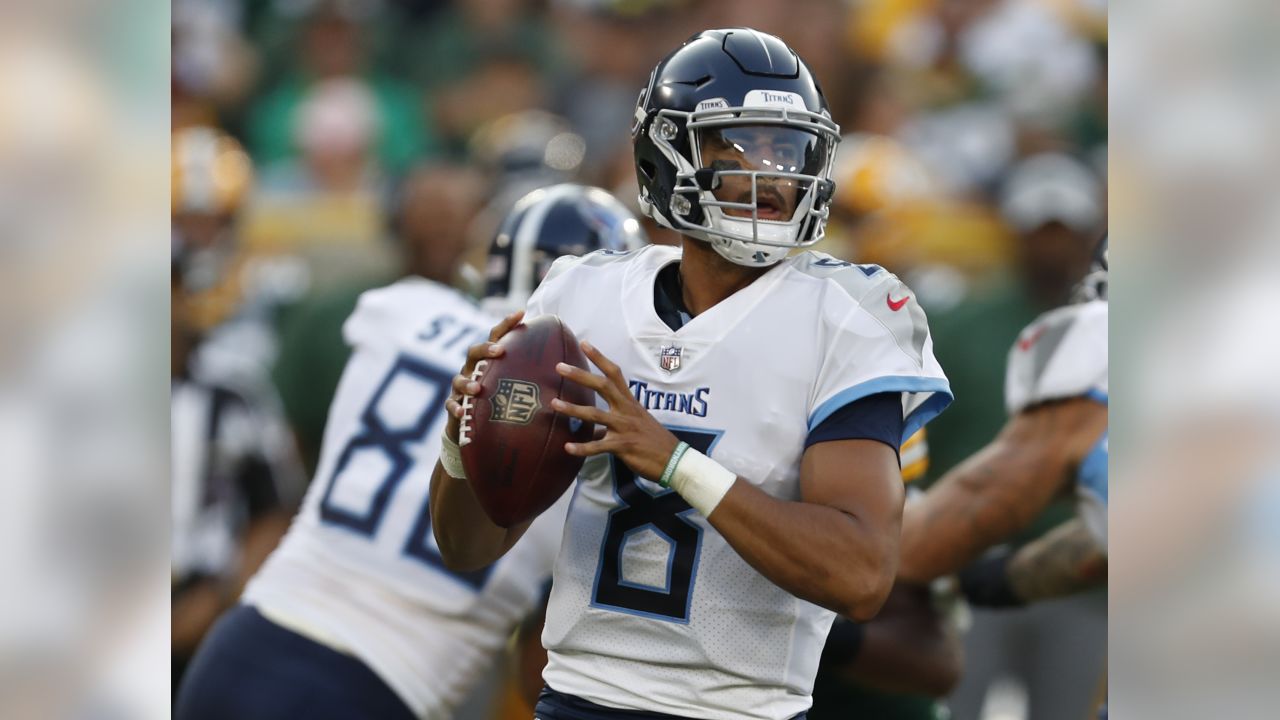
(1097,396)
(927,411)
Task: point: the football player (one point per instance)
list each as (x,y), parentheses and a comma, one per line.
(1054,442)
(747,486)
(355,614)
(1073,556)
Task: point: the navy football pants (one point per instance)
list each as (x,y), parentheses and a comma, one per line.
(249,668)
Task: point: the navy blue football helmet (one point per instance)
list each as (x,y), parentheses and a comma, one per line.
(734,145)
(545,224)
(1094,284)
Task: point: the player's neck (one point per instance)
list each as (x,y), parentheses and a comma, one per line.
(706,278)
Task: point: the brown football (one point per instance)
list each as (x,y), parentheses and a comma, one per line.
(512,440)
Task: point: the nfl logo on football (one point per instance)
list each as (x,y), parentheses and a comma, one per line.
(515,401)
(669,358)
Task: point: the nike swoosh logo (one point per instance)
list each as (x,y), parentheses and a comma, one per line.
(896,305)
(1026,343)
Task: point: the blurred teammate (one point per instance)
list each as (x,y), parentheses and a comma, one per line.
(749,484)
(430,217)
(1073,556)
(355,615)
(1055,442)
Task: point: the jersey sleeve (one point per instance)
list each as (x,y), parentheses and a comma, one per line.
(377,310)
(874,417)
(1091,490)
(877,341)
(545,300)
(1063,354)
(361,321)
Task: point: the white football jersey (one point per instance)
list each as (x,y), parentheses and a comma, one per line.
(1063,354)
(359,569)
(651,609)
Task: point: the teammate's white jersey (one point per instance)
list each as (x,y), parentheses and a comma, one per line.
(359,569)
(651,608)
(1063,354)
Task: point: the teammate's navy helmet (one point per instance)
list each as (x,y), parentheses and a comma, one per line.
(734,146)
(1094,284)
(564,219)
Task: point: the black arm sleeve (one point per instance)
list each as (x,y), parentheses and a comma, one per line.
(874,417)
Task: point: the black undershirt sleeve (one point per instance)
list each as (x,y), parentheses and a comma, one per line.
(874,417)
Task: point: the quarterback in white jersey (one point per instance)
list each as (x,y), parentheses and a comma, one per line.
(746,485)
(359,572)
(1055,442)
(748,397)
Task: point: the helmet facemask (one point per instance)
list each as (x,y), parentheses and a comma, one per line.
(760,177)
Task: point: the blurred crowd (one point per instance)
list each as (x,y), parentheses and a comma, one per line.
(324,147)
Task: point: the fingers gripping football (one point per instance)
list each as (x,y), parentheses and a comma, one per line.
(632,434)
(466,383)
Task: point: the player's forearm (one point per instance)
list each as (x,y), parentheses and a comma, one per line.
(999,490)
(817,553)
(980,503)
(468,539)
(1066,560)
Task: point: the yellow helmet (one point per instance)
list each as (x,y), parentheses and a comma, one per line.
(212,173)
(874,172)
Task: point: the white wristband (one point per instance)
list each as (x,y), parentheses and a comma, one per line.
(701,481)
(451,458)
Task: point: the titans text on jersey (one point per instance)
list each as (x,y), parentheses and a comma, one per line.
(694,403)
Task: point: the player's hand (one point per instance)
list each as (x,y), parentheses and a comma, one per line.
(463,383)
(631,433)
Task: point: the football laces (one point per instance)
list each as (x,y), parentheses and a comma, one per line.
(464,425)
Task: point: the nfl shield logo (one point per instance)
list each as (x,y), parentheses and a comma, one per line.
(515,402)
(669,358)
